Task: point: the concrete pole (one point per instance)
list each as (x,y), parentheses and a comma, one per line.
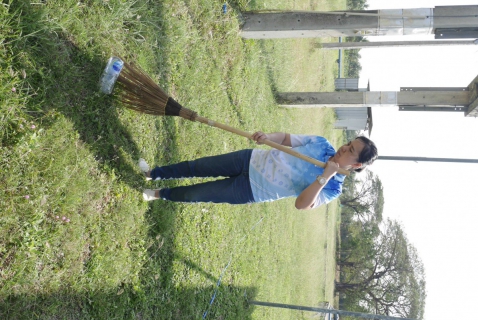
(389,44)
(445,17)
(359,23)
(373,98)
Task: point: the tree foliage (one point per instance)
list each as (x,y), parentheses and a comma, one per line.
(362,205)
(363,199)
(357,4)
(389,279)
(352,63)
(380,271)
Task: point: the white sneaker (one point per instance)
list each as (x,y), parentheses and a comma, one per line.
(149,194)
(143,166)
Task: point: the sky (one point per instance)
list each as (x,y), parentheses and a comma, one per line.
(435,202)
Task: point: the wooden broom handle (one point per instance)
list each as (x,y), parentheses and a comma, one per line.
(267,142)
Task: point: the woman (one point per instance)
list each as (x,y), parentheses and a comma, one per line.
(257,175)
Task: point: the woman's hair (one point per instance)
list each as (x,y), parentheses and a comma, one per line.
(369,153)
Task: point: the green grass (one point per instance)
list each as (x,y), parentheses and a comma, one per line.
(68,151)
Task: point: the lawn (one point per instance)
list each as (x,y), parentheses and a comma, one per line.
(76,239)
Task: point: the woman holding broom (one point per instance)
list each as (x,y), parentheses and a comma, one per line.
(257,175)
(251,175)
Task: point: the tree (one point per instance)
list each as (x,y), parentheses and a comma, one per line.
(389,279)
(352,63)
(351,134)
(363,198)
(362,205)
(357,4)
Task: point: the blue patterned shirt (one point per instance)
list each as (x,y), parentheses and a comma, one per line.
(275,174)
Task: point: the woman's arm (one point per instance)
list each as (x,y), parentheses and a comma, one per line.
(306,198)
(282,138)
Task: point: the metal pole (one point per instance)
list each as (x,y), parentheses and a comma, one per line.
(427,159)
(333,311)
(387,44)
(340,60)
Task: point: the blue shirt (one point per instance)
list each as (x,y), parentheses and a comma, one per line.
(275,174)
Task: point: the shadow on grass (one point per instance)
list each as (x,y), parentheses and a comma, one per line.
(230,303)
(66,81)
(270,72)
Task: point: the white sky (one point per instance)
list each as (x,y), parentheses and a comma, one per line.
(436,202)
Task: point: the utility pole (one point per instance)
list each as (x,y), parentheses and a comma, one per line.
(392,44)
(374,98)
(451,99)
(445,22)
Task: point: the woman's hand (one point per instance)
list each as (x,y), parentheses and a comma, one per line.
(277,137)
(330,170)
(259,136)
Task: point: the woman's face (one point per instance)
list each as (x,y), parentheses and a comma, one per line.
(348,154)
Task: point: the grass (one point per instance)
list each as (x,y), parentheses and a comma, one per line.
(67,151)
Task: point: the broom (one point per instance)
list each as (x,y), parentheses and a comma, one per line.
(140,93)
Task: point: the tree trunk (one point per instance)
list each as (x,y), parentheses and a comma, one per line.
(343,287)
(346,263)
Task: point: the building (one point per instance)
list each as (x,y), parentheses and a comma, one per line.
(352,118)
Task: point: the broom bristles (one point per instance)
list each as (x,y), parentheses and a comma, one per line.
(140,93)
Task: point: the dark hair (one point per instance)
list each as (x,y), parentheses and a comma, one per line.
(369,153)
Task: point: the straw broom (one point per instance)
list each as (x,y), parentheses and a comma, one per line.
(140,93)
